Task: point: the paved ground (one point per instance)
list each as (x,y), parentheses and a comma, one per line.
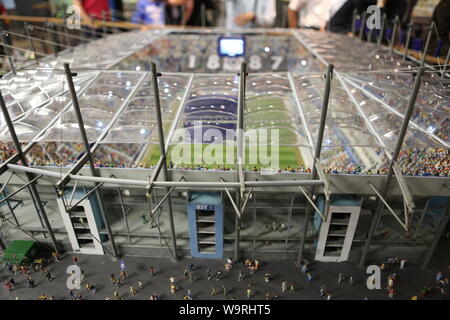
(98,269)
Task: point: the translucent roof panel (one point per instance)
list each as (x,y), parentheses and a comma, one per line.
(338,49)
(30,89)
(99,104)
(210,113)
(270,105)
(344,125)
(387,124)
(394,89)
(108,51)
(277,51)
(137,122)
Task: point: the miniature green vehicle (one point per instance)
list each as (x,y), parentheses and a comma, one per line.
(20,252)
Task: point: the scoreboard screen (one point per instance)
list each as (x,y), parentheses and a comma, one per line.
(231,47)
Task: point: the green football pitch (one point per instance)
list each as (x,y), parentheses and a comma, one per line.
(261,112)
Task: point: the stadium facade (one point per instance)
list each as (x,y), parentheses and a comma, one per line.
(352,148)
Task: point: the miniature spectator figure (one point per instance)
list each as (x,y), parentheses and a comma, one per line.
(48,275)
(186,274)
(224,290)
(283,286)
(291,287)
(8,286)
(391,293)
(267,277)
(71,294)
(132,290)
(322,291)
(340,278)
(173,289)
(439,276)
(209,274)
(249,293)
(402,264)
(213,291)
(304,268)
(218,276)
(350,282)
(240,276)
(309,277)
(75,260)
(140,284)
(329,296)
(31,283)
(172,280)
(257,265)
(152,271)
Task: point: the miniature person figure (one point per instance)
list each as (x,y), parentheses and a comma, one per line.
(123,274)
(132,290)
(267,277)
(340,278)
(304,268)
(249,293)
(173,289)
(218,276)
(240,276)
(329,296)
(322,291)
(402,264)
(152,271)
(309,277)
(213,291)
(140,284)
(224,290)
(75,260)
(350,282)
(283,286)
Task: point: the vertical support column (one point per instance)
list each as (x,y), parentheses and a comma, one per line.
(323,117)
(11,210)
(87,149)
(162,148)
(203,14)
(363,25)
(240,155)
(8,53)
(37,199)
(52,37)
(380,36)
(124,213)
(439,232)
(401,137)
(237,229)
(33,47)
(427,43)
(447,60)
(394,33)
(408,39)
(422,216)
(355,14)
